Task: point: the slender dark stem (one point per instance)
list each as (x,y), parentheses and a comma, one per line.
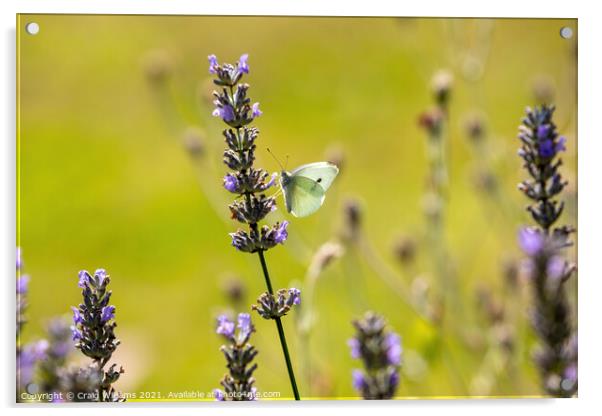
(287,356)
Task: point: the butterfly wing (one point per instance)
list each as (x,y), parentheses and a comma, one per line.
(320,172)
(303,196)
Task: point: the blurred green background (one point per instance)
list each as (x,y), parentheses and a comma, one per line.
(106,181)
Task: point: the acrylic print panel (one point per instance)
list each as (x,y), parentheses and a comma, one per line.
(165,255)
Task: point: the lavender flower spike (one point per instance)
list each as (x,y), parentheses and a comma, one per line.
(94,331)
(233,106)
(380,352)
(107,313)
(556,358)
(281,233)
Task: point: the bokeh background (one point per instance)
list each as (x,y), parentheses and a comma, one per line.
(120,168)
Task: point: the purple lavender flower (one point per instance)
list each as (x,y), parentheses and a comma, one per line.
(543,131)
(281,233)
(547,149)
(244,325)
(231,183)
(354,346)
(76,334)
(101,275)
(30,355)
(295,295)
(561,144)
(84,278)
(570,373)
(77,316)
(531,241)
(219,395)
(243,66)
(23,284)
(357,380)
(225,327)
(213,65)
(393,348)
(107,313)
(225,112)
(255,111)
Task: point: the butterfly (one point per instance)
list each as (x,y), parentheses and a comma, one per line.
(305,188)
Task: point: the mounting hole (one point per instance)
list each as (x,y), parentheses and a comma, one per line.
(566,32)
(32,28)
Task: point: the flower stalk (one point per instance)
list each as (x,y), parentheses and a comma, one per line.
(556,356)
(93,331)
(246,181)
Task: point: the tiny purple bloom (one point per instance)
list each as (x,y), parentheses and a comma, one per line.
(295,294)
(243,66)
(543,131)
(226,113)
(555,267)
(357,380)
(531,241)
(255,111)
(394,379)
(76,334)
(218,394)
(107,313)
(84,278)
(18,258)
(212,64)
(101,275)
(281,233)
(225,326)
(231,183)
(547,148)
(244,325)
(77,317)
(22,284)
(560,146)
(354,345)
(570,373)
(271,182)
(393,348)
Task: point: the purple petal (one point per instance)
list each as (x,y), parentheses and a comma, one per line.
(225,326)
(255,111)
(531,241)
(243,66)
(212,64)
(107,313)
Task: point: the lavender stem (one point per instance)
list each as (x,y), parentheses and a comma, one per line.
(281,335)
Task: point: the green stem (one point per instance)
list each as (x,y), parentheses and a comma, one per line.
(287,356)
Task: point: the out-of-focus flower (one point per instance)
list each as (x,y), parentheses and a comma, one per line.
(380,351)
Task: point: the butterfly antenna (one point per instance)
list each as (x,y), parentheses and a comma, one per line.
(286,162)
(276,159)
